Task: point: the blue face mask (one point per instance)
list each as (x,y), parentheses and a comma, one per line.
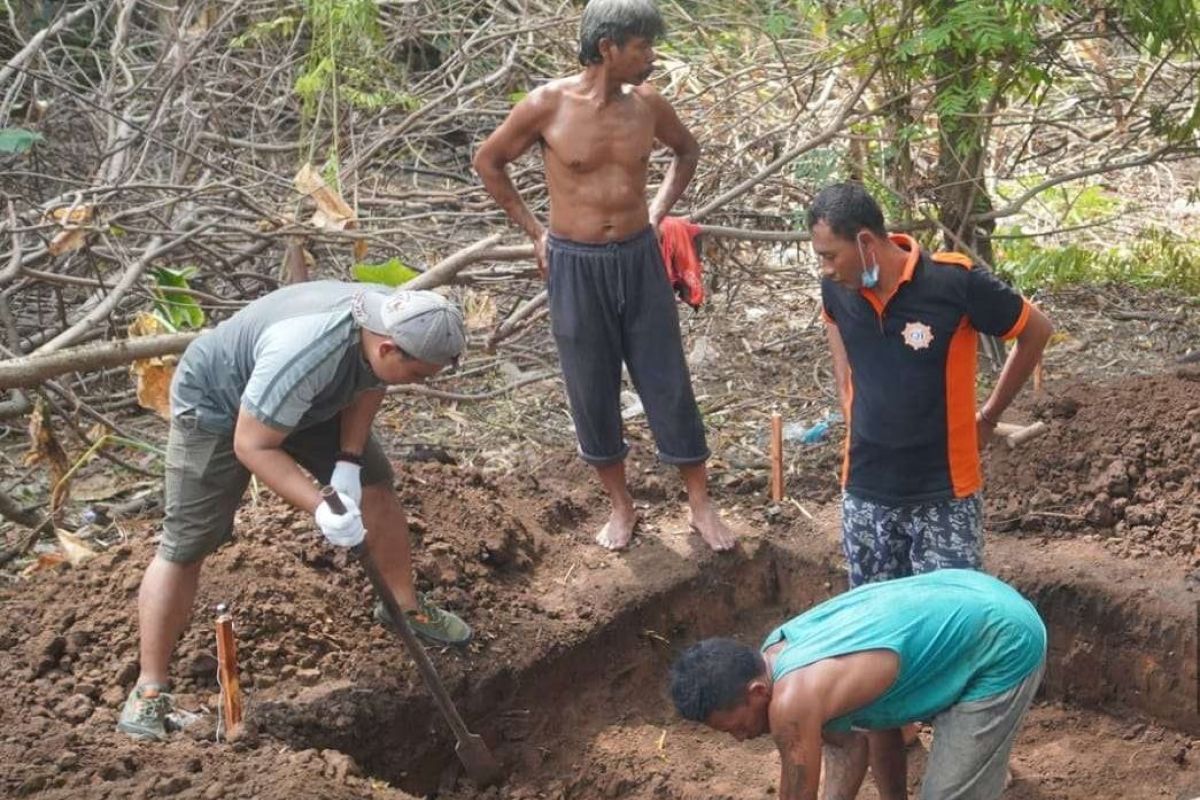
(870,275)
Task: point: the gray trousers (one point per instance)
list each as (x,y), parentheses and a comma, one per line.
(611,303)
(972,742)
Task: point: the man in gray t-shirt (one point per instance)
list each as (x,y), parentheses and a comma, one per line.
(286,389)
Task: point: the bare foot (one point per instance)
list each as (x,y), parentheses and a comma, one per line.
(713,530)
(617,532)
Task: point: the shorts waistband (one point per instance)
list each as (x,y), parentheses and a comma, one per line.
(601,248)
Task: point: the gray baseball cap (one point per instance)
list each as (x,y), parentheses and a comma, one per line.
(423,324)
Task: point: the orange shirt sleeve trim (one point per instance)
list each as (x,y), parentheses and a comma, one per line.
(1019,325)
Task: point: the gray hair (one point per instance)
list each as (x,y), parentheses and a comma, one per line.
(618,20)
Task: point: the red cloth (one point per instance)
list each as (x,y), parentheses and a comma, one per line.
(681,257)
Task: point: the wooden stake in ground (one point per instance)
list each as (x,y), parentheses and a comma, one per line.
(227,671)
(776,458)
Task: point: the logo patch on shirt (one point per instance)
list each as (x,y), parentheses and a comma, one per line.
(917,335)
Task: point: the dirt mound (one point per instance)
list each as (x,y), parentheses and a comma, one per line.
(1120,460)
(68,643)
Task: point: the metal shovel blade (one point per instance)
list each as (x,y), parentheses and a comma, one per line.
(478,760)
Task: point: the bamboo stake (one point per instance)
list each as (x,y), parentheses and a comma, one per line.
(776,458)
(227,671)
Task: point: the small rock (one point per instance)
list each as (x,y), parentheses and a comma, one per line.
(127,673)
(202,729)
(75,709)
(1134,732)
(173,786)
(114,771)
(203,666)
(338,765)
(77,642)
(113,696)
(67,759)
(32,784)
(1115,479)
(308,677)
(214,791)
(1100,512)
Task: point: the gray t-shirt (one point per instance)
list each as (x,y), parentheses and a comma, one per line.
(292,359)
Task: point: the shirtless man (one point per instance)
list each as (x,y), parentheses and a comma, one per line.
(610,300)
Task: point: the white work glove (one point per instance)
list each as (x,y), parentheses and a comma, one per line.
(347,479)
(342,530)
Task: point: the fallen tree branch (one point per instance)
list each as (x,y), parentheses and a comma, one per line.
(510,325)
(440,394)
(34,370)
(444,271)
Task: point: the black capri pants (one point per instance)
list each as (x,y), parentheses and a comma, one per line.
(611,303)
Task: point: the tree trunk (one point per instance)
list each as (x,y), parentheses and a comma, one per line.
(962,132)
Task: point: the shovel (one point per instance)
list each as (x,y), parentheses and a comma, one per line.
(475,756)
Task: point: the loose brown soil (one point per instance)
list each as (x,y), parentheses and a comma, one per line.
(565,674)
(1120,461)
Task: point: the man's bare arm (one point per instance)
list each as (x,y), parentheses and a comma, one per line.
(516,134)
(260,448)
(845,757)
(671,131)
(356,421)
(889,763)
(1020,364)
(796,717)
(799,742)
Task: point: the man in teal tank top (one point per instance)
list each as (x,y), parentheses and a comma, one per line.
(956,648)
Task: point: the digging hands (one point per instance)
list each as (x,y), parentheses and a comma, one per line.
(342,530)
(347,479)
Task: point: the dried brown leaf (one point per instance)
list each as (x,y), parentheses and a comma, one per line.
(332,211)
(75,551)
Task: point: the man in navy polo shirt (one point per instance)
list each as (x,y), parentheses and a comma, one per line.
(903,325)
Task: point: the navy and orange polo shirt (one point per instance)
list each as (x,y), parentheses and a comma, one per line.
(911,421)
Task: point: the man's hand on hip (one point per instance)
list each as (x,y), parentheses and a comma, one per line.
(985,429)
(347,479)
(342,530)
(540,256)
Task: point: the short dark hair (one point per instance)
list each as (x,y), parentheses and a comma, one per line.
(847,208)
(712,676)
(618,20)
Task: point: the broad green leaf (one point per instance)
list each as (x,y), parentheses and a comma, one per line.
(179,309)
(18,140)
(392,272)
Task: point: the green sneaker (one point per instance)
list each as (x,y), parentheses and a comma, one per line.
(430,622)
(145,713)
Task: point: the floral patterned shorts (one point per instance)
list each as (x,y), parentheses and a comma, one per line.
(882,542)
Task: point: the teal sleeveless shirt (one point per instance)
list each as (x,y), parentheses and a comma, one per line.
(960,635)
